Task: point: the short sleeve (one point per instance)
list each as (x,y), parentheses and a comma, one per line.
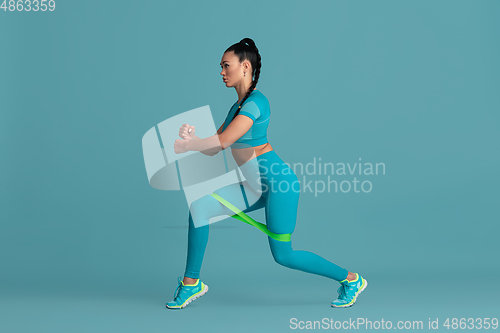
(251,110)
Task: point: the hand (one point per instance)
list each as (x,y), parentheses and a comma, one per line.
(180,146)
(186,132)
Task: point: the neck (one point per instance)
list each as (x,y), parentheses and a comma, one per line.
(242,89)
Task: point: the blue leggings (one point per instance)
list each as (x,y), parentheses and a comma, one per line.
(280,198)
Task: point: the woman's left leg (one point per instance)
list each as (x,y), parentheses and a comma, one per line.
(203,209)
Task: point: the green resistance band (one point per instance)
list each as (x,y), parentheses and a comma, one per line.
(247,219)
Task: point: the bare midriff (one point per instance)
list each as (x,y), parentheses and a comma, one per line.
(243,155)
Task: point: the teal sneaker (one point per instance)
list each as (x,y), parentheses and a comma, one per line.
(349,291)
(186,293)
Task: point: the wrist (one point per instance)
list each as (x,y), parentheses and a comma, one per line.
(188,145)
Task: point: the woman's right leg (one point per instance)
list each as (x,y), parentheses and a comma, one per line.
(206,207)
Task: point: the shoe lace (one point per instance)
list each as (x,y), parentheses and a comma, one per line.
(344,287)
(179,288)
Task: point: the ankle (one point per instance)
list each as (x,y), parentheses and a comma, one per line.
(351,276)
(187,280)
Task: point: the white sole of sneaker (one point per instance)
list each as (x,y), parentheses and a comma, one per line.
(355,298)
(191,299)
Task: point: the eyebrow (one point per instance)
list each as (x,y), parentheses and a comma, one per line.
(223,61)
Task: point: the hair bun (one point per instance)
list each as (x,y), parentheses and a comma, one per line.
(248,42)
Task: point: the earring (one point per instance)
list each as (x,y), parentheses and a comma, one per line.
(244,73)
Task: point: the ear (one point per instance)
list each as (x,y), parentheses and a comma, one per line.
(246,65)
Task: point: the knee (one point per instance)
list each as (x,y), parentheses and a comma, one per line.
(200,207)
(282,254)
(195,206)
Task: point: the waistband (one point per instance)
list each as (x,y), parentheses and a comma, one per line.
(268,154)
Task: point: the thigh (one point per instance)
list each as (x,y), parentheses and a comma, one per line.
(207,207)
(242,196)
(282,204)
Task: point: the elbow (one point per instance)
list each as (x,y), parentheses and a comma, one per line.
(224,143)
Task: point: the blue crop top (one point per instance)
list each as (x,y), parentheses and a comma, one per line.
(257,108)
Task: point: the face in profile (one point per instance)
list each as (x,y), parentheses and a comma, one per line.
(232,71)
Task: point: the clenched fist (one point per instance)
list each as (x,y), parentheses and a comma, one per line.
(186,132)
(180,146)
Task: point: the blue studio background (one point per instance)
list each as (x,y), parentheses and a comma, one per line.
(87,245)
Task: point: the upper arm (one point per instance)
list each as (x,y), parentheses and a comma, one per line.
(251,110)
(219,131)
(235,130)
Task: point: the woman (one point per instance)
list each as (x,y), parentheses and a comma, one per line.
(245,131)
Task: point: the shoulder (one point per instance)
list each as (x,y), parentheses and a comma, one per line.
(256,106)
(258,96)
(259,99)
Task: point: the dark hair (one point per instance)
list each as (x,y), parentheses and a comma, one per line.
(245,49)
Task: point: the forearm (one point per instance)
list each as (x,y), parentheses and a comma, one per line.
(205,152)
(208,146)
(209,152)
